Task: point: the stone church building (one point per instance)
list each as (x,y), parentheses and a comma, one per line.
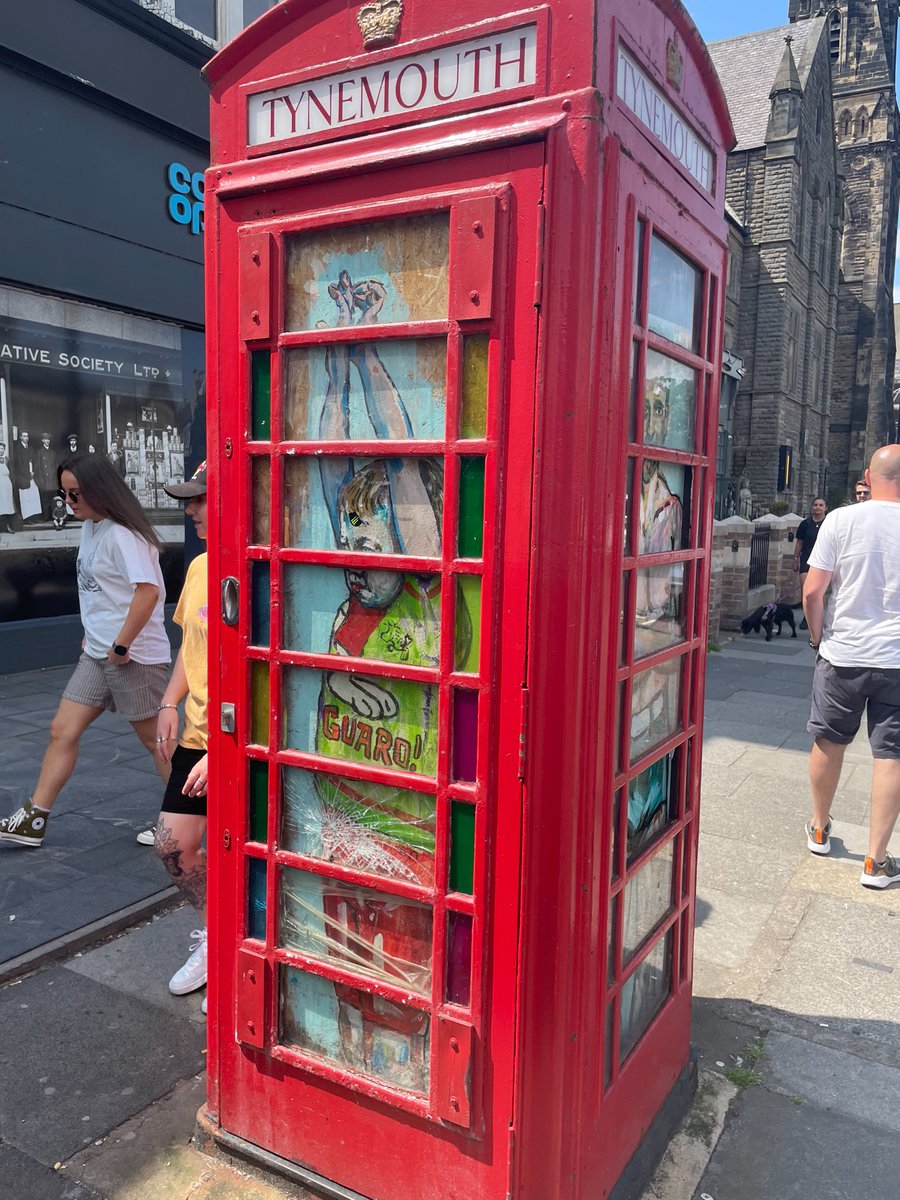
(812,193)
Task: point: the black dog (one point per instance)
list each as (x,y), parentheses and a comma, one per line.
(768,615)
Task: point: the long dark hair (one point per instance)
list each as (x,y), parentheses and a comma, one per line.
(105,491)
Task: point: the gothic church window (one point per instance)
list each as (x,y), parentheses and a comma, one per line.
(791,356)
(861,124)
(844,123)
(834,35)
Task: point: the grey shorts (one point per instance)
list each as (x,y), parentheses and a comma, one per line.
(840,695)
(134,690)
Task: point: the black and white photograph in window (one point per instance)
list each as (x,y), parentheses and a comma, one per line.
(65,392)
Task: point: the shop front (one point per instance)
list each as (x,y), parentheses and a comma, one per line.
(70,389)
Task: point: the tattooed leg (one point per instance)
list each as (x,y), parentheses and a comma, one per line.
(179,844)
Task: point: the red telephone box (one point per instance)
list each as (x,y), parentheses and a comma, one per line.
(465,283)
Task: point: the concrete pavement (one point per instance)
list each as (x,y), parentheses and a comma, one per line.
(90,875)
(797,1012)
(797,1008)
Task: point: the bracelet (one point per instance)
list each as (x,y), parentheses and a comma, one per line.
(162,706)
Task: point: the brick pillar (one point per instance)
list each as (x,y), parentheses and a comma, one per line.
(736,534)
(787,583)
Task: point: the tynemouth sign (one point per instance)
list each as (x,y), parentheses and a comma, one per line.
(479,69)
(644,99)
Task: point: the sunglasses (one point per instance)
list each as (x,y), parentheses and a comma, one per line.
(68,494)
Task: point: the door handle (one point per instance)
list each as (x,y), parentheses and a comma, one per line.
(231,600)
(227,718)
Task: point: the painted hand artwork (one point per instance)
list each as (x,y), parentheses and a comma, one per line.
(381,505)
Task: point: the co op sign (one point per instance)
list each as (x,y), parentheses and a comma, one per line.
(186,198)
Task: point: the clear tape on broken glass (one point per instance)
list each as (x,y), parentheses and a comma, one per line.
(364,931)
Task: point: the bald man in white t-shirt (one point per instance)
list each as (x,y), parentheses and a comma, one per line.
(856,631)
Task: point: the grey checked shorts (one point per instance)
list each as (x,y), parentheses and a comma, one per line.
(133,689)
(840,695)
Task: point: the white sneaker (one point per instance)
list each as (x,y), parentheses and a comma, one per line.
(193,974)
(146,838)
(203,1006)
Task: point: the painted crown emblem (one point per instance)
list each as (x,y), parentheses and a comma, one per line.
(379,21)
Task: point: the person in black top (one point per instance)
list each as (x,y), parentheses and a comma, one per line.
(805,539)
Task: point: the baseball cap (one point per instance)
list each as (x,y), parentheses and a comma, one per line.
(195,486)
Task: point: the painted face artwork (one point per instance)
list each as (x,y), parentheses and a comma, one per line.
(369,390)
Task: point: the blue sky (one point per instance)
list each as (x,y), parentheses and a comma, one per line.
(723,18)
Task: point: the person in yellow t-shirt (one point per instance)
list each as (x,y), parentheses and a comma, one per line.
(182,819)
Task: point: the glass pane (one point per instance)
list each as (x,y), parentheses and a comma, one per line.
(651,804)
(388,615)
(259,802)
(473,417)
(471,507)
(647,899)
(359,929)
(381,505)
(664,503)
(256,898)
(468,623)
(356,274)
(616,837)
(635,383)
(364,390)
(611,940)
(638,269)
(366,826)
(259,603)
(626,532)
(366,1034)
(261,483)
(465,735)
(389,723)
(659,608)
(462,847)
(624,608)
(670,403)
(608,1043)
(644,993)
(655,706)
(260,395)
(259,703)
(675,296)
(459,958)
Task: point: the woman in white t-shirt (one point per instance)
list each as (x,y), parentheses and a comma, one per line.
(125,659)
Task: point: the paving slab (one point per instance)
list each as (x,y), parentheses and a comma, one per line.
(101,1056)
(24,1179)
(842,969)
(776,1147)
(834,1079)
(727,927)
(732,865)
(142,963)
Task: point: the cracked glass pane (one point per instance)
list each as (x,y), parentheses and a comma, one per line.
(355,823)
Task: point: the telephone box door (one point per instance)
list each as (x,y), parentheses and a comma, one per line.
(374,452)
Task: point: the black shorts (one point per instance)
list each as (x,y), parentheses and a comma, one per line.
(840,696)
(175,801)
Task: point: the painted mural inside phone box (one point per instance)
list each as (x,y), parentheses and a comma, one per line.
(65,392)
(368,390)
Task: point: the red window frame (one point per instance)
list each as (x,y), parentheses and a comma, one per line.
(450,1022)
(683,744)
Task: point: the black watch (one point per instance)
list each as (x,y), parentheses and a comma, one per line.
(123,650)
(813,645)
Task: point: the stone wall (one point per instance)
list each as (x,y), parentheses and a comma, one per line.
(730,597)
